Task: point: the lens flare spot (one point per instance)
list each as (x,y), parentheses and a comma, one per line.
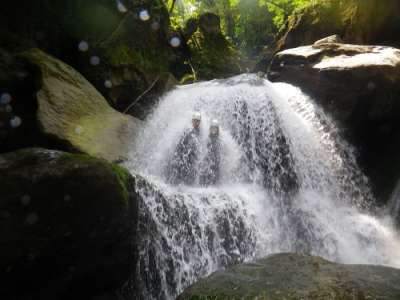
(5,98)
(144,15)
(95,60)
(15,122)
(121,7)
(25,200)
(83,46)
(32,218)
(175,42)
(155,26)
(78,130)
(108,84)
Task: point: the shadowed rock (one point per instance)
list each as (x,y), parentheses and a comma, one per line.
(359,86)
(66,224)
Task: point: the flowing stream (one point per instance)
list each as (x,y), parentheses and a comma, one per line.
(288,183)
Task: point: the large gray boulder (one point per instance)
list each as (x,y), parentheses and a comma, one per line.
(72,111)
(67,226)
(359,86)
(296,276)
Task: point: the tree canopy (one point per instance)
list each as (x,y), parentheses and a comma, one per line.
(251,24)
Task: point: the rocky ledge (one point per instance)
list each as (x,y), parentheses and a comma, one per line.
(296,276)
(359,86)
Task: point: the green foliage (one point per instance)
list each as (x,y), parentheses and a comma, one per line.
(251,24)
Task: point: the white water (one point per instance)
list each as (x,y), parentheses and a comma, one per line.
(394,203)
(288,183)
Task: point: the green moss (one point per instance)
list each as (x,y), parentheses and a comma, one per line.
(124,177)
(213,56)
(117,173)
(187,79)
(143,59)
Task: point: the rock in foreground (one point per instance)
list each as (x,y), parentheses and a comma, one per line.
(66,226)
(295,276)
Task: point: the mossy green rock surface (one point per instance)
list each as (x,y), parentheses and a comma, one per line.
(213,55)
(295,277)
(66,225)
(73,111)
(356,21)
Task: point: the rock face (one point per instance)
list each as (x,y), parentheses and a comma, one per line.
(138,54)
(293,276)
(213,56)
(67,223)
(356,21)
(359,87)
(72,111)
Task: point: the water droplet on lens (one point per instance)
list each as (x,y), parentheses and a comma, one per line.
(155,26)
(83,46)
(5,98)
(144,15)
(32,218)
(108,84)
(25,200)
(15,122)
(78,130)
(121,7)
(95,60)
(8,108)
(175,42)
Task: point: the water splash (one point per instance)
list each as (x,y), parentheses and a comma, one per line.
(288,184)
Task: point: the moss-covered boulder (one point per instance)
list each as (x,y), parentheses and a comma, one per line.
(138,54)
(213,55)
(356,21)
(67,224)
(73,112)
(295,276)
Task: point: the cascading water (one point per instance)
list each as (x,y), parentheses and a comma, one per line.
(288,183)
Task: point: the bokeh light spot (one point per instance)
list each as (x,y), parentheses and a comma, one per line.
(175,42)
(5,98)
(83,46)
(78,130)
(121,7)
(144,15)
(95,60)
(108,84)
(15,122)
(25,200)
(32,218)
(155,26)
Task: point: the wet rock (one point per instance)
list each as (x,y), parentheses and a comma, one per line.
(356,21)
(48,249)
(359,87)
(138,54)
(19,81)
(73,112)
(294,276)
(213,56)
(210,23)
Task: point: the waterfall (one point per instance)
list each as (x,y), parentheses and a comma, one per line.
(394,202)
(288,183)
